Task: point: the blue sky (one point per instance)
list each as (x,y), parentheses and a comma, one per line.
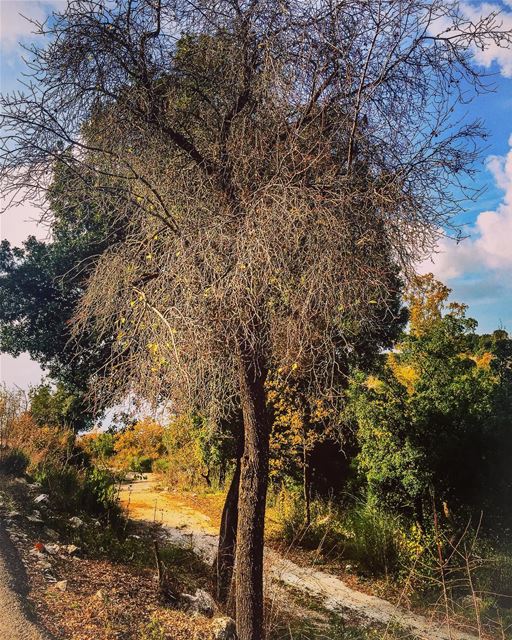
(479,269)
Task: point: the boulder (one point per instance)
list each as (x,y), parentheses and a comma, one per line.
(52,549)
(71,549)
(35,517)
(53,535)
(76,522)
(42,497)
(201,603)
(223,629)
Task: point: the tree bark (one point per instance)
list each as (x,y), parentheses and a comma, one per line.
(225,560)
(251,501)
(306,477)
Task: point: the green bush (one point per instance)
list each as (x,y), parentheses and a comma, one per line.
(324,531)
(74,490)
(141,464)
(13,463)
(63,486)
(374,539)
(161,465)
(100,490)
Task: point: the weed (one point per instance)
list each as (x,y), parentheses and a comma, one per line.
(13,462)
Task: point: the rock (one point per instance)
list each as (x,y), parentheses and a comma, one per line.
(35,517)
(76,522)
(224,629)
(61,585)
(41,498)
(71,549)
(99,595)
(53,535)
(52,549)
(13,514)
(21,480)
(34,486)
(201,603)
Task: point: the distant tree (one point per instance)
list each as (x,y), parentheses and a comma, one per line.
(273,161)
(41,284)
(435,422)
(99,445)
(59,407)
(139,445)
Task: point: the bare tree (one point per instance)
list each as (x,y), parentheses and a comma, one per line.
(275,161)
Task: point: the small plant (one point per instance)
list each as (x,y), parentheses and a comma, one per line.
(13,463)
(100,490)
(74,490)
(374,539)
(153,630)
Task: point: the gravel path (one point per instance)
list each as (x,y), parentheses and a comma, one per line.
(16,621)
(187,526)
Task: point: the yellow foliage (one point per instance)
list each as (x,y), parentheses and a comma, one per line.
(143,440)
(406,374)
(483,361)
(373,383)
(41,445)
(426,298)
(299,422)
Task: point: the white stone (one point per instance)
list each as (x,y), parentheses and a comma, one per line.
(62,585)
(224,629)
(76,522)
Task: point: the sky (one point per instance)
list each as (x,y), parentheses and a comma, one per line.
(478,269)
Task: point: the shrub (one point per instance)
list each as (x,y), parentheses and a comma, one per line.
(62,484)
(100,490)
(325,531)
(99,446)
(161,465)
(374,538)
(141,464)
(43,445)
(13,462)
(73,490)
(137,446)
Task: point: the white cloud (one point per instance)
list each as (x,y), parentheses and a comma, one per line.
(15,16)
(489,246)
(13,25)
(17,223)
(19,372)
(493,53)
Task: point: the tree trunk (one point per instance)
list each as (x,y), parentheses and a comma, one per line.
(225,560)
(251,501)
(306,477)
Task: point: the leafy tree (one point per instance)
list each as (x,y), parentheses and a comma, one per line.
(99,445)
(435,421)
(59,407)
(40,285)
(138,446)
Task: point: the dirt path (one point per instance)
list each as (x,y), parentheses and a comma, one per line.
(15,622)
(188,526)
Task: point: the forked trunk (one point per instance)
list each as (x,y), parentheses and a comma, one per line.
(225,560)
(251,502)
